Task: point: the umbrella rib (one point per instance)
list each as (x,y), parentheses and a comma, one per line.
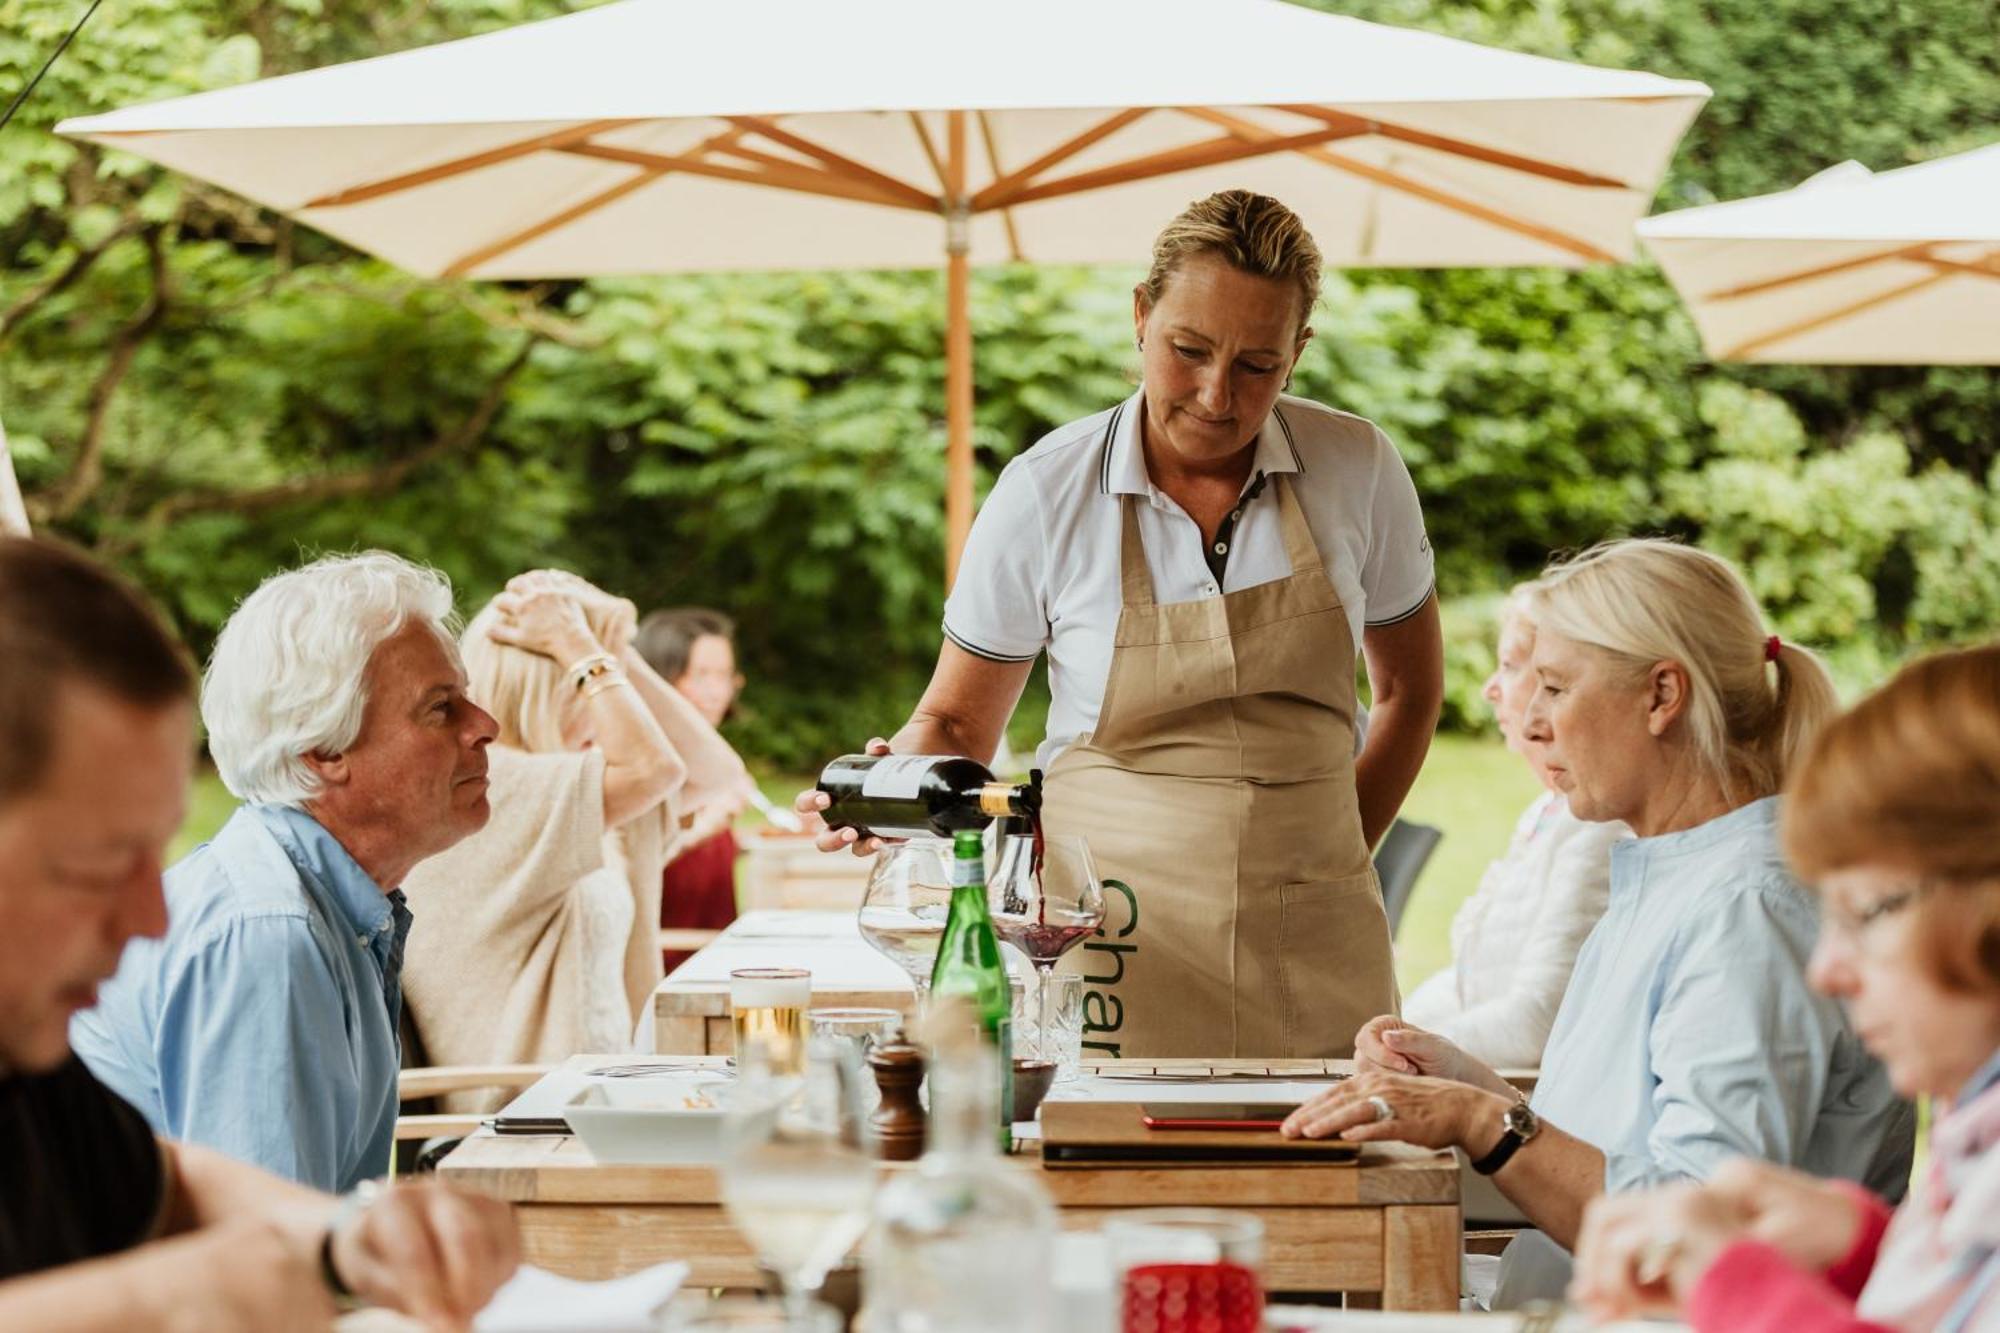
(792,169)
(1430,194)
(930,148)
(993,165)
(1982,267)
(409,180)
(1744,349)
(999,190)
(838,163)
(1460,148)
(1207,153)
(1535,231)
(464,264)
(777,175)
(1916,251)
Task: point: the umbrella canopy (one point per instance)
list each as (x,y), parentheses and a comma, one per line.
(1849,268)
(662,135)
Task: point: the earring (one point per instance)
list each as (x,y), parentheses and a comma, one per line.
(1140,343)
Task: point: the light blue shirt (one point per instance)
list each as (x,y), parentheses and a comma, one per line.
(264,1025)
(1688,1034)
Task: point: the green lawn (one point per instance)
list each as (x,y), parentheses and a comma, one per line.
(1473,790)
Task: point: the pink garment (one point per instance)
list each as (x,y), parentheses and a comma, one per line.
(1934,1266)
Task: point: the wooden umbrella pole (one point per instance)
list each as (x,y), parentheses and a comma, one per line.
(13,512)
(958,349)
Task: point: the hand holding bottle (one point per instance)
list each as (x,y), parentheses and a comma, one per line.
(812,802)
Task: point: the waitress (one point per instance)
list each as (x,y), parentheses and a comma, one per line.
(1200,563)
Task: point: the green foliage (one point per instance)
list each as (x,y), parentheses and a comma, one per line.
(204,392)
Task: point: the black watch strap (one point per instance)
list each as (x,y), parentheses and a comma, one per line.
(1503,1152)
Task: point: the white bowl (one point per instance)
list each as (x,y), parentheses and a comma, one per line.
(672,1120)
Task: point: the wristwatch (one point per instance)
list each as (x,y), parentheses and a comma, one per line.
(1518,1124)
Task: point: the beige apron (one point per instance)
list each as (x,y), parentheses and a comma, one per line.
(1219,785)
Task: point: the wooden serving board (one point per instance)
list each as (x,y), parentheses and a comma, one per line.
(1095,1134)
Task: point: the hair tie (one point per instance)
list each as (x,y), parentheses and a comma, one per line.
(1771,648)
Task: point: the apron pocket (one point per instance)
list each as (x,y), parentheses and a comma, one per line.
(1333,960)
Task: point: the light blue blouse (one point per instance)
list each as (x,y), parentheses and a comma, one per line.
(1688,1034)
(264,1024)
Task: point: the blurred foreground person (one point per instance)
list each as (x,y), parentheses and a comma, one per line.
(1896,819)
(104,1227)
(265,1023)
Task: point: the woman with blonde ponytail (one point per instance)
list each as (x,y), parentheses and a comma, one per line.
(1688,1035)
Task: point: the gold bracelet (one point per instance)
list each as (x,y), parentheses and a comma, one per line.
(605,681)
(593,667)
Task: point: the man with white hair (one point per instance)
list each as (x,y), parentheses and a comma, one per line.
(264,1024)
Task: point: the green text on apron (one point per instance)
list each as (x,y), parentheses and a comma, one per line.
(1219,784)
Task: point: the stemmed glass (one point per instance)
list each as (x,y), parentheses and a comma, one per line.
(798,1176)
(904,908)
(1046,900)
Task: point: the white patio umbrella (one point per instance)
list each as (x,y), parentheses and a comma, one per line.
(664,135)
(1849,268)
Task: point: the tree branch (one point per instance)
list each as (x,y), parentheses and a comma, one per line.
(360,481)
(77,267)
(86,472)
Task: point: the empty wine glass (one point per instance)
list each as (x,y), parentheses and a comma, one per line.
(1046,900)
(905,906)
(798,1176)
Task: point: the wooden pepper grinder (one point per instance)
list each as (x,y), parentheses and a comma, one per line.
(899,1121)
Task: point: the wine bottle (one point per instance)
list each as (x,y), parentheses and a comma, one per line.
(914,795)
(969,967)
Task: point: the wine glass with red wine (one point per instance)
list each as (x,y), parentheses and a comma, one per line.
(1046,899)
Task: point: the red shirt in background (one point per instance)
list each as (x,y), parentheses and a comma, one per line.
(698,890)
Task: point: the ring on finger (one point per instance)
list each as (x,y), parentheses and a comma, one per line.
(1383,1111)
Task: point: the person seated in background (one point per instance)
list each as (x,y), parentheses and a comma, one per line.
(1515,939)
(1688,1035)
(105,1228)
(264,1024)
(545,943)
(693,649)
(1893,817)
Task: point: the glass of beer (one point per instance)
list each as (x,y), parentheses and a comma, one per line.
(767,1007)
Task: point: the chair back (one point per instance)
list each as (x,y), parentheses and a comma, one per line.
(1399,860)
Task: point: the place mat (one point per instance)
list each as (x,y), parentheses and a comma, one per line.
(1087,1134)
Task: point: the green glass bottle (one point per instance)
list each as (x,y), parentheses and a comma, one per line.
(969,966)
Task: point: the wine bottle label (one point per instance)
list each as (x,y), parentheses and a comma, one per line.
(897,777)
(969,870)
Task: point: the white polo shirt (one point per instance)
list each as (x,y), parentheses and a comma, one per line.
(1040,570)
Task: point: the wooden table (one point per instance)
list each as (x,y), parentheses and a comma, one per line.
(1387,1225)
(691,1006)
